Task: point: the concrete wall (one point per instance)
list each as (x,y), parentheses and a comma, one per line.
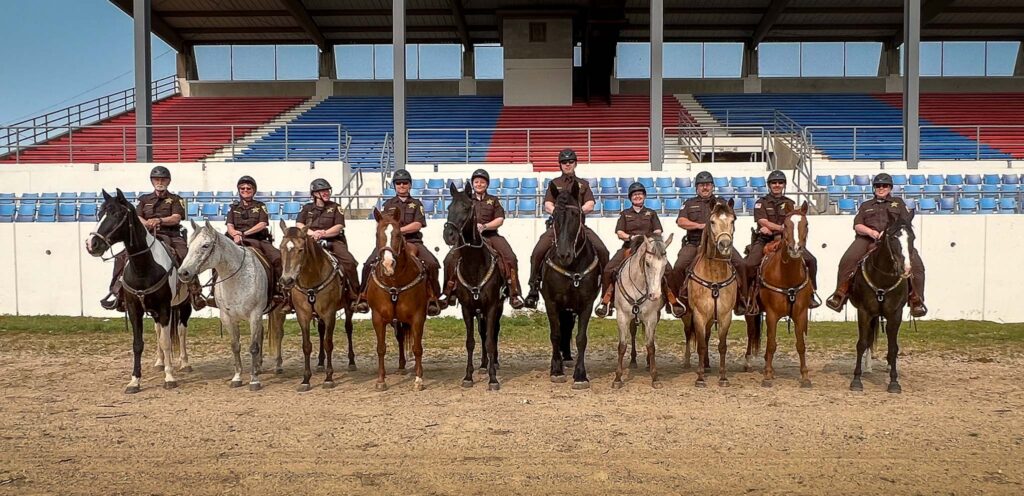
(252,88)
(825,85)
(537,73)
(972,262)
(340,88)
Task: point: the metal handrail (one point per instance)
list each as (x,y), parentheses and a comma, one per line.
(387,158)
(472,149)
(860,143)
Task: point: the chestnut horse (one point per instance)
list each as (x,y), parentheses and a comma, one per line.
(397,294)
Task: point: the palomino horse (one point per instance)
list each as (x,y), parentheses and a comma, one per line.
(242,294)
(639,300)
(712,288)
(316,284)
(880,290)
(480,285)
(150,283)
(785,291)
(397,295)
(570,284)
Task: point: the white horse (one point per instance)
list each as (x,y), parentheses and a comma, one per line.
(639,299)
(241,291)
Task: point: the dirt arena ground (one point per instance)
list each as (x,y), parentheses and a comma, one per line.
(67,428)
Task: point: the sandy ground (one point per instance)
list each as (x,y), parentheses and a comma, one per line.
(67,428)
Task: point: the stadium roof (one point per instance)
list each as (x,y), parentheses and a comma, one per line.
(325,22)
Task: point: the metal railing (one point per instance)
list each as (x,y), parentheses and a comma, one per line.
(706,143)
(387,158)
(526,145)
(957,142)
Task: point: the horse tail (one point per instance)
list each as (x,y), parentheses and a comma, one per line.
(754,332)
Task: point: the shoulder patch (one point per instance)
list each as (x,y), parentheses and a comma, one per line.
(757,205)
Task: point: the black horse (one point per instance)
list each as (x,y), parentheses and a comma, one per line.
(150,282)
(570,284)
(880,290)
(480,285)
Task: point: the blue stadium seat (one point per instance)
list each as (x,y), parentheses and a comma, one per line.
(291,210)
(862,180)
(972,178)
(672,205)
(206,196)
(225,196)
(597,209)
(436,183)
(7,211)
(842,180)
(48,198)
(67,197)
(88,196)
(274,210)
(282,196)
(388,192)
(954,179)
(210,211)
(971,190)
(648,182)
(653,204)
(527,190)
(607,182)
(847,206)
(1009,188)
(990,190)
(668,191)
(913,189)
(26,212)
(899,179)
(419,183)
(263,196)
(47,213)
(494,184)
(683,182)
(429,205)
(532,182)
(1008,205)
(758,182)
(835,190)
(7,198)
(988,205)
(932,188)
(67,212)
(748,204)
(927,205)
(624,182)
(823,181)
(950,188)
(509,192)
(1007,179)
(967,206)
(936,179)
(721,182)
(990,179)
(28,199)
(609,190)
(528,207)
(87,212)
(611,205)
(738,182)
(688,191)
(431,193)
(911,203)
(664,182)
(918,179)
(592,181)
(192,210)
(946,205)
(511,205)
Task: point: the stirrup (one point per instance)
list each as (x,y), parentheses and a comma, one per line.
(815,300)
(531,299)
(836,302)
(433,308)
(516,302)
(604,310)
(919,310)
(111,302)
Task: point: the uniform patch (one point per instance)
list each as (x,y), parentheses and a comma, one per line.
(168,200)
(757,205)
(894,204)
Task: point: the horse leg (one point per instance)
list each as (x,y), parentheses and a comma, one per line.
(167,349)
(307,349)
(555,325)
(723,345)
(329,323)
(800,321)
(236,349)
(700,329)
(382,347)
(277,338)
(769,349)
(138,343)
(417,348)
(753,339)
(579,376)
(492,347)
(320,357)
(182,348)
(624,326)
(865,323)
(688,333)
(348,335)
(400,331)
(469,320)
(566,323)
(892,329)
(650,326)
(159,364)
(497,332)
(256,348)
(481,325)
(632,353)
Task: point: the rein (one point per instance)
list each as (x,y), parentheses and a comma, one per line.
(578,247)
(789,292)
(311,292)
(394,291)
(646,293)
(879,291)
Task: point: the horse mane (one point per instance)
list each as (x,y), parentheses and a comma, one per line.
(636,243)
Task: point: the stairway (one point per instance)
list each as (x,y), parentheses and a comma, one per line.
(229,152)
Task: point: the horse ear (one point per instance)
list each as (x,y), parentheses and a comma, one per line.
(730,202)
(303,231)
(284,227)
(669,240)
(552,190)
(376,215)
(120,196)
(106,196)
(195,228)
(208,226)
(469,188)
(454,191)
(804,207)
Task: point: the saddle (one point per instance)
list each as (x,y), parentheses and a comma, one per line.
(271,280)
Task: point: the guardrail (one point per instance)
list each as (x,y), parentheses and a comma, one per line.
(470,145)
(937,142)
(707,142)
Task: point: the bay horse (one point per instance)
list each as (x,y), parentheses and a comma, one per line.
(397,294)
(315,284)
(784,290)
(639,300)
(570,284)
(243,293)
(880,289)
(480,288)
(712,288)
(149,283)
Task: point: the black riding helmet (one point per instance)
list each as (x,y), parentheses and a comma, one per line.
(882,179)
(401,175)
(633,188)
(246,180)
(777,175)
(160,172)
(566,155)
(319,184)
(481,174)
(704,177)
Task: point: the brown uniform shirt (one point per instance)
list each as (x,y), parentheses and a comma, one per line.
(564,181)
(874,213)
(410,211)
(325,217)
(773,210)
(697,210)
(246,215)
(151,206)
(488,209)
(633,223)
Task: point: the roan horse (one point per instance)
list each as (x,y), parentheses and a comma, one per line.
(397,295)
(638,298)
(480,285)
(570,284)
(150,284)
(712,289)
(242,294)
(784,290)
(880,290)
(316,286)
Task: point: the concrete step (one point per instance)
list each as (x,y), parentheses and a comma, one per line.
(228,151)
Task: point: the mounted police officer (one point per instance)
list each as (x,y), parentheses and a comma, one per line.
(695,213)
(770,213)
(412,219)
(567,164)
(161,212)
(490,215)
(325,222)
(870,223)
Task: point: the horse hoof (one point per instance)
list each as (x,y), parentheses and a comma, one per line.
(278,371)
(616,384)
(352,367)
(170,384)
(319,368)
(581,385)
(895,388)
(381,386)
(235,384)
(806,384)
(723,383)
(493,386)
(418,386)
(856,386)
(466,383)
(632,365)
(657,385)
(187,368)
(255,386)
(766,383)
(131,389)
(328,384)
(558,378)
(303,388)
(701,384)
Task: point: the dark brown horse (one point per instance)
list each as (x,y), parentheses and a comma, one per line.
(316,285)
(397,294)
(784,290)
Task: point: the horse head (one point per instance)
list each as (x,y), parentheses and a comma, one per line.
(294,244)
(899,236)
(718,232)
(389,240)
(654,249)
(794,232)
(567,221)
(461,224)
(202,252)
(114,226)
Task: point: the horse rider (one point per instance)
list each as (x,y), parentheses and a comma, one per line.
(325,222)
(770,213)
(161,212)
(692,217)
(490,215)
(870,223)
(247,225)
(567,164)
(637,220)
(411,220)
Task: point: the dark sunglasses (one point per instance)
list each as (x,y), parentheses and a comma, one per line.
(402,183)
(563,162)
(882,185)
(778,182)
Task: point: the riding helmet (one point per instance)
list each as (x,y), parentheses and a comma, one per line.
(401,175)
(160,172)
(777,175)
(633,188)
(566,155)
(481,174)
(246,180)
(704,177)
(319,184)
(882,179)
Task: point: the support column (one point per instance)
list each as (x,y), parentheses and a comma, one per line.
(657,145)
(143,82)
(467,84)
(751,72)
(911,82)
(327,72)
(1018,68)
(186,69)
(889,67)
(398,84)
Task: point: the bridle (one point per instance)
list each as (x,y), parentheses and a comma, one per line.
(578,239)
(880,292)
(131,237)
(311,292)
(476,289)
(789,292)
(645,295)
(579,243)
(460,229)
(206,257)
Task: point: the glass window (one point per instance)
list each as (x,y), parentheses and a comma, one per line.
(489,62)
(213,62)
(577,55)
(682,60)
(963,58)
(723,60)
(354,61)
(440,61)
(297,62)
(821,59)
(1001,57)
(778,59)
(633,61)
(862,58)
(931,58)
